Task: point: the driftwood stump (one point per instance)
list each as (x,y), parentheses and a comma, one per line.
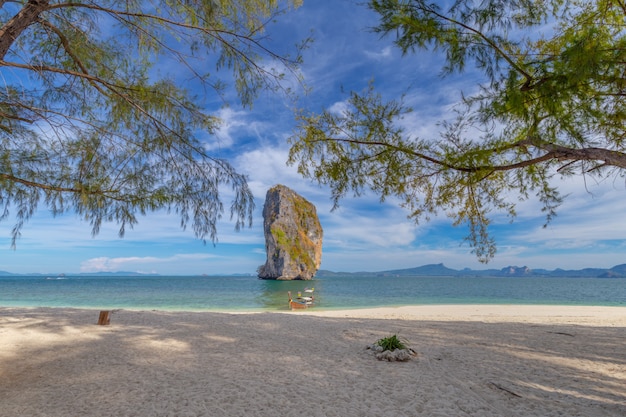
(104,318)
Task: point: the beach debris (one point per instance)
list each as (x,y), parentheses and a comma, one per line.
(104,318)
(563,334)
(501,388)
(391,349)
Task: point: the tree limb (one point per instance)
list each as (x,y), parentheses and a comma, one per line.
(481,35)
(553,152)
(28,15)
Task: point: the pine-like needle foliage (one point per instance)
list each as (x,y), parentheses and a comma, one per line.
(553,103)
(95,115)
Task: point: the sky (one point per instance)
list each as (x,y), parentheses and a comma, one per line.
(363,234)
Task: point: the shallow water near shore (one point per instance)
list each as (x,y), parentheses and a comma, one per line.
(248,293)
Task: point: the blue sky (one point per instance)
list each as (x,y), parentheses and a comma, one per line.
(362,234)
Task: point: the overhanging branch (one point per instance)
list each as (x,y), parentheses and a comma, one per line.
(552,152)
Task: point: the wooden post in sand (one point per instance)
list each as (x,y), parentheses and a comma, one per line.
(104,318)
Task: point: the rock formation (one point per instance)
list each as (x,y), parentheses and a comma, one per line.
(293,236)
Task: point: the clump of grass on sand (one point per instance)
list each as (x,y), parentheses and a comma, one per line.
(392,349)
(391,343)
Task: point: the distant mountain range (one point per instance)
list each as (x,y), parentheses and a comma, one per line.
(432,270)
(436,270)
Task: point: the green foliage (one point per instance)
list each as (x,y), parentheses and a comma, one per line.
(279,236)
(552,103)
(92,120)
(391,343)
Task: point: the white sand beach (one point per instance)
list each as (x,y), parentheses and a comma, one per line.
(471,361)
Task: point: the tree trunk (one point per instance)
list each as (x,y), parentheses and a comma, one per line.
(18,24)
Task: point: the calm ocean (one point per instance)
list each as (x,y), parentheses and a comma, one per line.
(235,293)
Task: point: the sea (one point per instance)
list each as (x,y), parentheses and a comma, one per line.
(248,293)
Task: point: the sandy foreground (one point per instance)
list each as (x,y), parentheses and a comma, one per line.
(471,361)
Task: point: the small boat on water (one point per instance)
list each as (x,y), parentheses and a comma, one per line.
(301,301)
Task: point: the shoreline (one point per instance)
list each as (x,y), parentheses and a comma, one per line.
(445,311)
(252,294)
(472,360)
(484,312)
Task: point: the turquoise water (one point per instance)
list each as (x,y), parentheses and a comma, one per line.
(251,294)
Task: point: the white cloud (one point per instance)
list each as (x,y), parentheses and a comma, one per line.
(267,166)
(139,264)
(589,212)
(232,124)
(380,55)
(339,108)
(358,230)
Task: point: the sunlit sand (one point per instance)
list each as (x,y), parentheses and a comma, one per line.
(471,361)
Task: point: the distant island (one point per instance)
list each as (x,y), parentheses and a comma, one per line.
(431,270)
(436,270)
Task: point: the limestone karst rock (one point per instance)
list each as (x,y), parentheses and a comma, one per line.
(293,236)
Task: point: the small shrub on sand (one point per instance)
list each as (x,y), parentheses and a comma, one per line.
(391,343)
